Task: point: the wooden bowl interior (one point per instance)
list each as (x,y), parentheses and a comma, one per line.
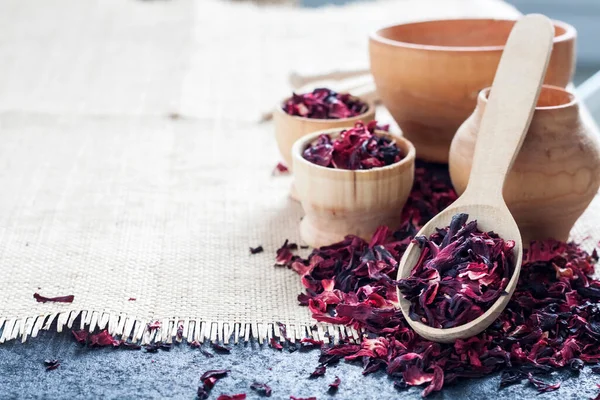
(551,97)
(455,33)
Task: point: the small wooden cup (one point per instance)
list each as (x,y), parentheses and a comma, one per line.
(289,128)
(340,202)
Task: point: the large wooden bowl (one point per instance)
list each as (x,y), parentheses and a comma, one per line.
(428,74)
(339,202)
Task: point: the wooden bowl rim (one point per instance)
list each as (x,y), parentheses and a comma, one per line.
(569,34)
(484,93)
(370,111)
(301,144)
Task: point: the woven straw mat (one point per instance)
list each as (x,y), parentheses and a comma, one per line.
(132,165)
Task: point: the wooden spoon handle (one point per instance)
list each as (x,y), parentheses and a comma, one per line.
(510,106)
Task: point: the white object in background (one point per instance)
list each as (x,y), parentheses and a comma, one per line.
(589,93)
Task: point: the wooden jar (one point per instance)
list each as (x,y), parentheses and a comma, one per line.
(428,74)
(340,202)
(556,173)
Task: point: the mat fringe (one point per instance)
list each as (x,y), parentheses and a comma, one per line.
(127,327)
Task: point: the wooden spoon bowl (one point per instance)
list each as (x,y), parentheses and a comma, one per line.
(513,96)
(490,217)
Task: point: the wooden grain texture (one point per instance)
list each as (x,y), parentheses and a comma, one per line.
(340,202)
(428,74)
(514,93)
(556,174)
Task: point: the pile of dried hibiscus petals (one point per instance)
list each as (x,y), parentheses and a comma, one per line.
(552,320)
(360,147)
(323,103)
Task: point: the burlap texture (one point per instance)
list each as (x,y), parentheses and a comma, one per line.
(106,195)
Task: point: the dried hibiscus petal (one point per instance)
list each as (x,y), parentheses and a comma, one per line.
(324,103)
(102,339)
(220,349)
(275,344)
(154,325)
(355,148)
(461,272)
(261,388)
(208,379)
(311,342)
(335,385)
(51,364)
(280,169)
(240,396)
(214,373)
(256,250)
(284,254)
(542,386)
(130,345)
(60,299)
(319,371)
(81,336)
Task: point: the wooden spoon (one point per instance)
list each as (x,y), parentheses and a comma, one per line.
(507,116)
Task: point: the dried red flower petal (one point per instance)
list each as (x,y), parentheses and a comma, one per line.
(275,344)
(542,386)
(103,339)
(335,385)
(319,371)
(280,169)
(154,347)
(283,330)
(130,346)
(179,333)
(552,318)
(220,349)
(132,299)
(460,273)
(353,149)
(323,103)
(284,254)
(214,373)
(202,393)
(81,336)
(436,383)
(240,396)
(60,299)
(302,398)
(310,342)
(262,389)
(208,379)
(51,364)
(154,325)
(256,250)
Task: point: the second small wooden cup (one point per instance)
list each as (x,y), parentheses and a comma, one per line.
(340,202)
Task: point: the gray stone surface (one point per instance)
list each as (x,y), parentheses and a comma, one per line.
(133,374)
